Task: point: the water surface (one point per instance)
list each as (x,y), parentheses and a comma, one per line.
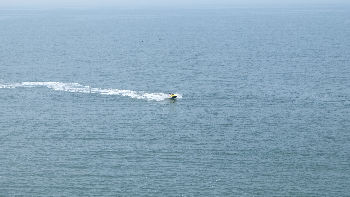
(264,111)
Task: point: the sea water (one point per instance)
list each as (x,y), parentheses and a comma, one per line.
(263,107)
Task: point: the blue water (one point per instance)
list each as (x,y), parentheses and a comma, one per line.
(264,107)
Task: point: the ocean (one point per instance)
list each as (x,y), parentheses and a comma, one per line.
(263,106)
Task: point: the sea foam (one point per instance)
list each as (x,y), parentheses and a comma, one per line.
(78,88)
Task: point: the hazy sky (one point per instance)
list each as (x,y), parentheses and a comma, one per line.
(161,3)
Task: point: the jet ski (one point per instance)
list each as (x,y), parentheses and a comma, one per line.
(172,96)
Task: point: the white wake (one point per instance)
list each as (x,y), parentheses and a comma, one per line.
(78,88)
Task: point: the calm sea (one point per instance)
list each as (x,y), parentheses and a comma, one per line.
(263,107)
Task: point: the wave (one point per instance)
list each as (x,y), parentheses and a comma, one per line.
(78,88)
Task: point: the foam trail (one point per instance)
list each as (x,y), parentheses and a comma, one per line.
(76,87)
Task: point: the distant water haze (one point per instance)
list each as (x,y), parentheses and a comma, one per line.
(156,3)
